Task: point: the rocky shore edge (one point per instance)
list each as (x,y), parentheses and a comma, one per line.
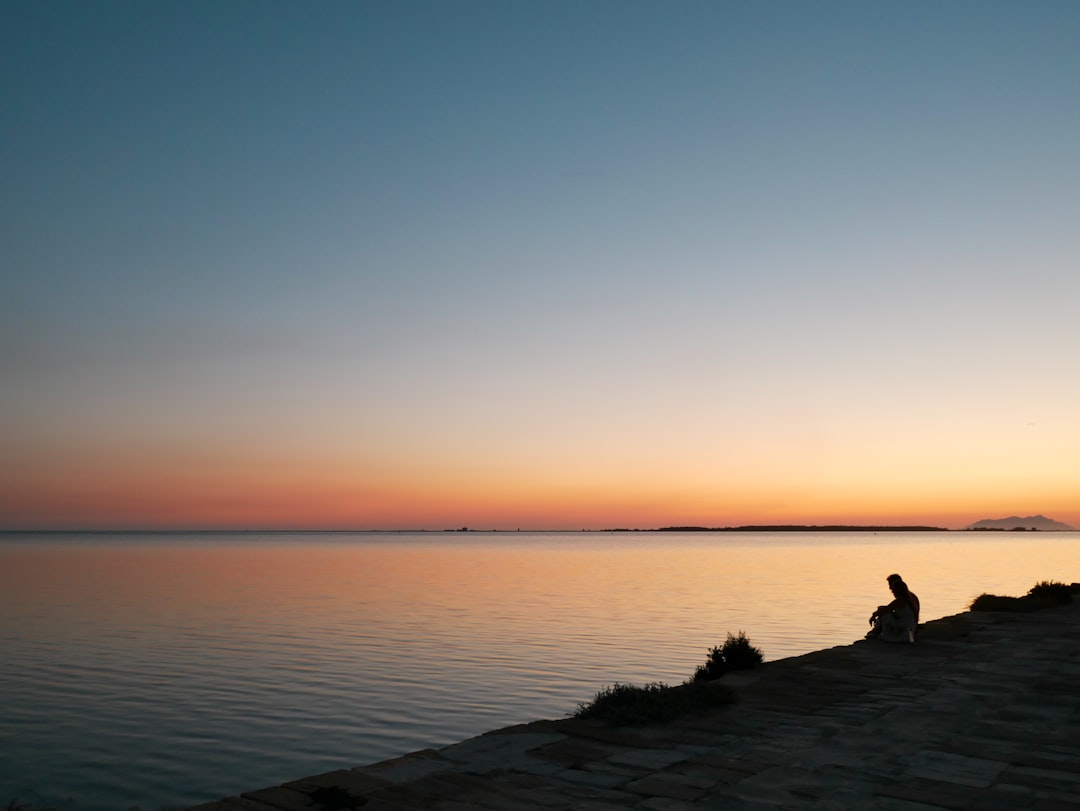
(981,713)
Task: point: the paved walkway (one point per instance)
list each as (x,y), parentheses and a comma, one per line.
(982,713)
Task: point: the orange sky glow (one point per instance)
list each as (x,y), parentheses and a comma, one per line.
(481,499)
(802,266)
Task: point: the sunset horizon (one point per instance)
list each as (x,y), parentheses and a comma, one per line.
(411,265)
(500,522)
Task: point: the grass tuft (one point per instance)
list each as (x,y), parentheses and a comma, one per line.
(656,702)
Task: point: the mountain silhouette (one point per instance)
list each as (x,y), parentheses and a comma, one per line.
(1039,522)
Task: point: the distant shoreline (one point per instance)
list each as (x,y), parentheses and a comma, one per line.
(295,531)
(745,528)
(807,528)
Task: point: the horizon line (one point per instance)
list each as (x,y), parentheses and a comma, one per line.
(462,530)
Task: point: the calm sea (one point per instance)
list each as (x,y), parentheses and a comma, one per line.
(166,670)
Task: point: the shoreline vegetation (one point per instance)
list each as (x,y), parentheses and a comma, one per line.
(657,702)
(1047,594)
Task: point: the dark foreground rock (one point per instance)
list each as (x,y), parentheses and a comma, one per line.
(983,712)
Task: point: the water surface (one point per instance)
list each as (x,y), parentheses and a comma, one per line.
(167,670)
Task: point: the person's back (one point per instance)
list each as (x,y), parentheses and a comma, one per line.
(901,591)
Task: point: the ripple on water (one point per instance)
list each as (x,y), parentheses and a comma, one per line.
(174,690)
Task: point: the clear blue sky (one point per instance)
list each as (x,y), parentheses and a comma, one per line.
(811,261)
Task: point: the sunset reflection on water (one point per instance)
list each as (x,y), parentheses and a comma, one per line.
(250,659)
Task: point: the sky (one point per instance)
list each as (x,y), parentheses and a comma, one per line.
(543,265)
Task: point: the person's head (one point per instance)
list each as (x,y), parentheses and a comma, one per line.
(896,584)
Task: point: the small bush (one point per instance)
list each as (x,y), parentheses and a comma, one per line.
(736,654)
(1046,594)
(656,702)
(1050,593)
(996,602)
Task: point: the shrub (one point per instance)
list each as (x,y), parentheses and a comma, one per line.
(736,654)
(996,602)
(1045,594)
(1050,593)
(656,702)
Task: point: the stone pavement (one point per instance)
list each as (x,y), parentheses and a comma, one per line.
(983,712)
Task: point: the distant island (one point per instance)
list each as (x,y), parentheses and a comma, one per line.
(1015,523)
(803,528)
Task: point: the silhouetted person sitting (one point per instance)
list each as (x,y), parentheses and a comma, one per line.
(899,620)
